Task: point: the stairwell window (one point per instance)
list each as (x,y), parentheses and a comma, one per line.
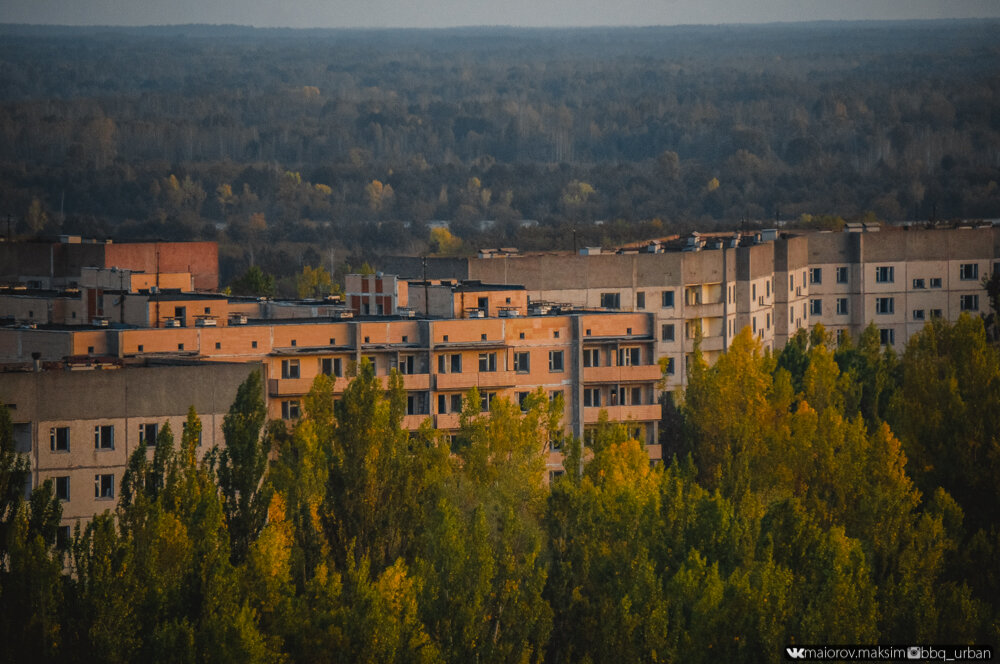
(104,487)
(969,303)
(104,437)
(885,274)
(969,272)
(59,439)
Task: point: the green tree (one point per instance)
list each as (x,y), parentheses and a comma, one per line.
(242,465)
(254,282)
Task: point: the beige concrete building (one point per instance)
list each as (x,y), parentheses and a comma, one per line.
(79,422)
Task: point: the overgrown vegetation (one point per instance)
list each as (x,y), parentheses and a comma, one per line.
(838,495)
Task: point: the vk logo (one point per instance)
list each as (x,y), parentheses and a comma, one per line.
(796,653)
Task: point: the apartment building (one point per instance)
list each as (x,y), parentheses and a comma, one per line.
(60,263)
(774,283)
(80,420)
(899,279)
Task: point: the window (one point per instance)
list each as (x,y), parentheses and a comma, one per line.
(767,288)
(331,366)
(755,325)
(935,282)
(667,332)
(218,345)
(63,537)
(841,306)
(841,275)
(635,396)
(294,342)
(521,398)
(753,292)
(253,344)
(815,307)
(885,274)
(62,488)
(884,305)
(591,357)
(936,313)
(791,282)
(668,299)
(816,275)
(969,272)
(768,322)
(640,300)
(483,303)
(140,349)
(592,397)
(485,400)
(841,336)
(919,284)
(407,364)
(887,336)
(555,361)
(289,368)
(456,363)
(482,337)
(104,487)
(104,437)
(611,300)
(416,403)
(290,409)
(918,314)
(456,403)
(670,366)
(554,394)
(487,362)
(59,439)
(969,303)
(147,434)
(555,334)
(522,362)
(629,357)
(179,347)
(442,404)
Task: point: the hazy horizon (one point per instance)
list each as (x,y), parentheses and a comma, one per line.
(450,13)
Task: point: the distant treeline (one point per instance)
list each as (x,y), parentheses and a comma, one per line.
(839,495)
(313,136)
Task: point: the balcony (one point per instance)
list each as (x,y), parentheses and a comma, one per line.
(655,452)
(714,342)
(410,381)
(413,422)
(623,413)
(622,374)
(465,381)
(288,387)
(708,310)
(446,421)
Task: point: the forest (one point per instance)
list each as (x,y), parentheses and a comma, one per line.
(298,148)
(822,494)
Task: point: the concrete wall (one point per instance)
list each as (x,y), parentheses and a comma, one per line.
(123,398)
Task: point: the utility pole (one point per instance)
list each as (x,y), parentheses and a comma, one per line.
(426,302)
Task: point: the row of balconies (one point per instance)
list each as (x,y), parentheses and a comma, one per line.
(482,379)
(645,413)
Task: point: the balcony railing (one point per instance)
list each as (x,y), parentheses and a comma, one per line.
(647,372)
(644,413)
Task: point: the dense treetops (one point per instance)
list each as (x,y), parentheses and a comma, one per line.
(820,495)
(354,140)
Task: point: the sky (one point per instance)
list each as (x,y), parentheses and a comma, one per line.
(451,13)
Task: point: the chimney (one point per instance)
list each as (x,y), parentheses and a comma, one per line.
(36,359)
